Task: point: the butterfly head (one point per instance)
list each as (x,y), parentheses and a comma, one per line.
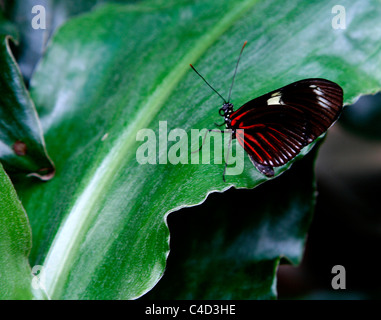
(225,111)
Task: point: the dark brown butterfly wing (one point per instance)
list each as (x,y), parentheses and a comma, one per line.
(279,124)
(272,135)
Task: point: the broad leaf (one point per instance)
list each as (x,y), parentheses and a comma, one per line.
(32,43)
(22,146)
(15,244)
(230,247)
(101,230)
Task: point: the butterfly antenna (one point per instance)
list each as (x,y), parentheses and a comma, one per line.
(207,83)
(235,71)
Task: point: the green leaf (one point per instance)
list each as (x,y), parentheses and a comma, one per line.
(15,244)
(7,28)
(101,231)
(33,41)
(22,146)
(230,247)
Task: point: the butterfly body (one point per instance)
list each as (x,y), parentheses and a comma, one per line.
(277,125)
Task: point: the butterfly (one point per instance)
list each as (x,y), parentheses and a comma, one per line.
(279,124)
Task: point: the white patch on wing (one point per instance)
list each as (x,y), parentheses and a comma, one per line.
(316,90)
(324,103)
(275,99)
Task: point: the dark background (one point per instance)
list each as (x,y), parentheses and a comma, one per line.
(347,222)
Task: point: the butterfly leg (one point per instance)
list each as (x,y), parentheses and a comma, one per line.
(219,125)
(203,140)
(227,157)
